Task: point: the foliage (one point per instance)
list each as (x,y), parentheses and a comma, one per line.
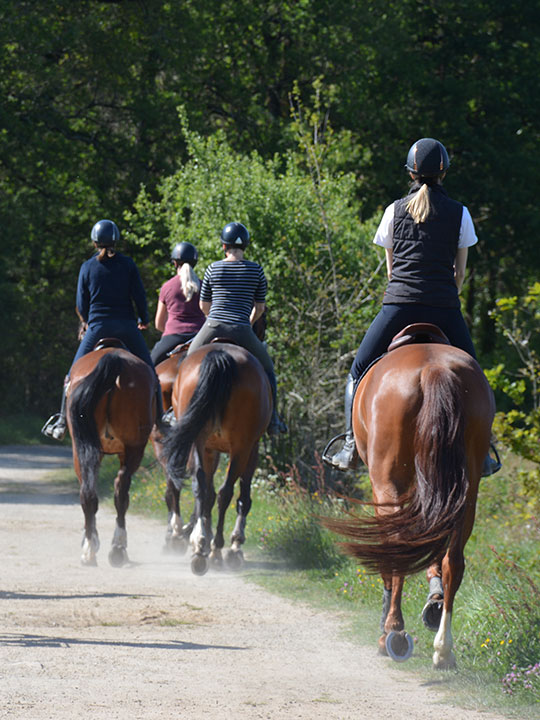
(90,91)
(303,219)
(519,428)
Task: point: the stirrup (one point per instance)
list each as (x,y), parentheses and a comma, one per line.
(351,455)
(55,427)
(169,418)
(326,456)
(491,465)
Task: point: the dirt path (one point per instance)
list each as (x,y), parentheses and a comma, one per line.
(153,641)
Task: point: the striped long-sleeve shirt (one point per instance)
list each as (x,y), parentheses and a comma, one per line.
(233,286)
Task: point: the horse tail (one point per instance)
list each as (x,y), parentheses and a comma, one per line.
(83,402)
(217,373)
(415,536)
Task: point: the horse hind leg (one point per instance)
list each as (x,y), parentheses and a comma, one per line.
(130,460)
(89,505)
(453,567)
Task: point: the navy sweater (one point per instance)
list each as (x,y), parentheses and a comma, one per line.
(107,290)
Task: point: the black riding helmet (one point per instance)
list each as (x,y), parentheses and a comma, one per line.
(427,158)
(105,233)
(185,252)
(234,234)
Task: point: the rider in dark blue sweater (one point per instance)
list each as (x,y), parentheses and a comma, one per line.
(108,287)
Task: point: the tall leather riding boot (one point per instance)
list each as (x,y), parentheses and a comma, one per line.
(276,424)
(163,422)
(347,457)
(56,425)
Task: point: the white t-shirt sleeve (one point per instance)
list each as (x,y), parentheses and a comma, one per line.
(385,232)
(467,234)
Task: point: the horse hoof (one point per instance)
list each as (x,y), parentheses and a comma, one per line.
(178,545)
(235,560)
(89,561)
(444,662)
(117,556)
(199,564)
(399,645)
(432,613)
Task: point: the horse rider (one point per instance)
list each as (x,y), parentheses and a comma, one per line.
(109,283)
(178,314)
(426,236)
(233,294)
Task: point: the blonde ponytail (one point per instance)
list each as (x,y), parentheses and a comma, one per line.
(189,282)
(419,205)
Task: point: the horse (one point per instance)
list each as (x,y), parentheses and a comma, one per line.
(223,404)
(178,532)
(422,417)
(111,409)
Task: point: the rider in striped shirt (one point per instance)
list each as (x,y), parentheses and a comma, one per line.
(233,294)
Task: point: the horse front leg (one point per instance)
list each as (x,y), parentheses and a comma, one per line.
(175,536)
(394,641)
(130,460)
(432,611)
(235,557)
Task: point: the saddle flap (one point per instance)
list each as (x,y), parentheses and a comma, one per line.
(418,333)
(109,342)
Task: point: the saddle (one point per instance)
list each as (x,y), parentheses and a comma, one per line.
(110,342)
(181,348)
(418,333)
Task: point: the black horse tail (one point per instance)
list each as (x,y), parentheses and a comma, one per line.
(83,402)
(415,536)
(217,374)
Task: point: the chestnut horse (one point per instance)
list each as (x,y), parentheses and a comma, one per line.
(110,411)
(178,533)
(422,420)
(223,404)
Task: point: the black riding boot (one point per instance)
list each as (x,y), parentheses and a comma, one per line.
(163,420)
(56,425)
(276,424)
(347,457)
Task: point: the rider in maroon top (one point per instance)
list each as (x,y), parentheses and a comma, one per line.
(178,314)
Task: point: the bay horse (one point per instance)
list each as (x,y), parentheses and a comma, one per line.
(422,418)
(111,409)
(223,404)
(178,532)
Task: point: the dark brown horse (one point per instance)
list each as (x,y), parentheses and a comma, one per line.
(223,404)
(110,411)
(422,422)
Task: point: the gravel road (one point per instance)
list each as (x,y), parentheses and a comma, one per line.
(151,640)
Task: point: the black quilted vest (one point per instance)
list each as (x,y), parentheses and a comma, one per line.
(424,253)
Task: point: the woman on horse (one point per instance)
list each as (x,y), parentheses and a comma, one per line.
(233,294)
(426,236)
(109,283)
(178,315)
